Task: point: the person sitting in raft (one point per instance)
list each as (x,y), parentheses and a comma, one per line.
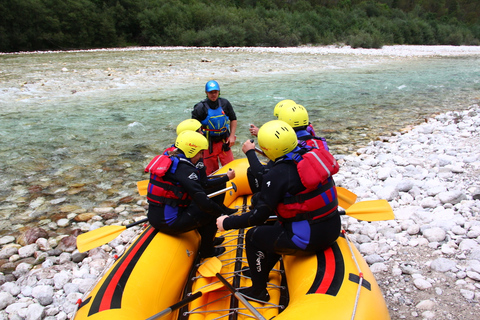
(177,200)
(278,107)
(215,113)
(297,117)
(209,183)
(302,195)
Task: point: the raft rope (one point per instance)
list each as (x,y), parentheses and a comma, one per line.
(234,241)
(360,274)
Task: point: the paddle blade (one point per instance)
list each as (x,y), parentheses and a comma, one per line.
(371,210)
(98,237)
(345,197)
(142,187)
(210,267)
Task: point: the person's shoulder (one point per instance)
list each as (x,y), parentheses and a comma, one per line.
(200,104)
(224,101)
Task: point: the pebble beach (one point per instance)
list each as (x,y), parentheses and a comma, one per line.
(426,261)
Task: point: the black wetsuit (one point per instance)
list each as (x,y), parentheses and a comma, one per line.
(199,214)
(265,243)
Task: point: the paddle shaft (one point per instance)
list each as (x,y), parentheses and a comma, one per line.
(177,305)
(239,296)
(98,237)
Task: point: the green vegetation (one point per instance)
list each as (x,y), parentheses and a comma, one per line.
(28,25)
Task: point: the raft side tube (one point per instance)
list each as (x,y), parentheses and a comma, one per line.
(148,277)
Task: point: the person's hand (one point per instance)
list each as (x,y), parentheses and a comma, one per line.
(220,222)
(253,130)
(248,145)
(230,174)
(231,140)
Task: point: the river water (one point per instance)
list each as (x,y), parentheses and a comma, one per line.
(78,127)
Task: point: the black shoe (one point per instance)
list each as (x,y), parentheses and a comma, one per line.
(213,252)
(254,294)
(218,241)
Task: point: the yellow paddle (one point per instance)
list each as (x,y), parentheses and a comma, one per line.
(370,210)
(208,288)
(345,197)
(211,268)
(100,236)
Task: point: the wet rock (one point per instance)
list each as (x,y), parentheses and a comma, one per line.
(68,244)
(83,217)
(31,236)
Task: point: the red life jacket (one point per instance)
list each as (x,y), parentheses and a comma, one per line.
(161,191)
(319,199)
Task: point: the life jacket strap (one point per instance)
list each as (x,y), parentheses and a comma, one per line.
(162,201)
(302,197)
(319,215)
(169,187)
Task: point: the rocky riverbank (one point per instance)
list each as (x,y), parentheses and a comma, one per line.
(426,260)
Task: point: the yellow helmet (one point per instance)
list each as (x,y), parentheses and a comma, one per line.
(189,124)
(276,138)
(281,105)
(295,115)
(191,143)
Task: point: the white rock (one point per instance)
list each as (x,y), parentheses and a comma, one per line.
(422,284)
(467,294)
(426,305)
(6,298)
(434,234)
(442,265)
(44,294)
(35,312)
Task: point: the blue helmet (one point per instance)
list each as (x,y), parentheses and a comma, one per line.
(212,85)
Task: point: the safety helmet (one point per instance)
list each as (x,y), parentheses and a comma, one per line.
(295,115)
(276,138)
(212,85)
(191,143)
(189,124)
(282,104)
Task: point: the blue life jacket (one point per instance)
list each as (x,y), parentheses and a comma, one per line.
(216,122)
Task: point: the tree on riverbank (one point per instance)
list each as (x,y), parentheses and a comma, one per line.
(28,25)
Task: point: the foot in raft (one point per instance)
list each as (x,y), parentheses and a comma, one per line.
(218,241)
(252,293)
(213,252)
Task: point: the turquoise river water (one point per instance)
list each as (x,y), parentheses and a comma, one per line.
(78,127)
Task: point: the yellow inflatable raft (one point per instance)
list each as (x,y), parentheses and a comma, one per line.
(158,271)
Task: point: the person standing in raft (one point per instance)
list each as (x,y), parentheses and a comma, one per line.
(177,201)
(215,114)
(300,191)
